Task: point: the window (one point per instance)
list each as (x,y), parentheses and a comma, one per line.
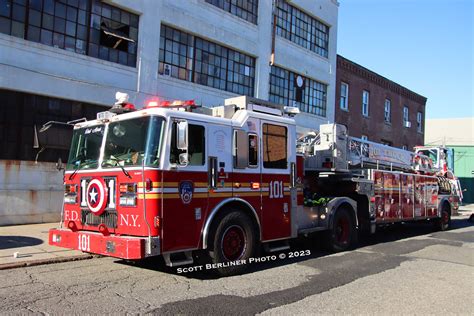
(21,112)
(274,146)
(344,96)
(253,150)
(85,27)
(302,29)
(117,31)
(365,103)
(419,124)
(291,89)
(191,58)
(196,145)
(364,137)
(245,9)
(406,122)
(387,111)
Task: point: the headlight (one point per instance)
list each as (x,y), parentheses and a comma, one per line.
(128,200)
(70,194)
(70,199)
(128,194)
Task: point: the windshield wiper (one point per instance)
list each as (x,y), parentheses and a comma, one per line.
(78,162)
(117,163)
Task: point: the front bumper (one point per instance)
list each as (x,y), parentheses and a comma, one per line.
(125,247)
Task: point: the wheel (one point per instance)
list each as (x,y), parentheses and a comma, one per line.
(234,238)
(444,222)
(342,235)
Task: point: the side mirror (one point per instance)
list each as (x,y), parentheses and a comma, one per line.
(182,135)
(59,165)
(183,159)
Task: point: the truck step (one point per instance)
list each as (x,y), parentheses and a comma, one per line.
(277,246)
(178,259)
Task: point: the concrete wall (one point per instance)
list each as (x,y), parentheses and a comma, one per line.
(29,192)
(63,74)
(455,131)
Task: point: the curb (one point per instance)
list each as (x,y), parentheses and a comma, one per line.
(31,263)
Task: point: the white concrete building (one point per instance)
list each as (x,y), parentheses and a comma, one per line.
(64,59)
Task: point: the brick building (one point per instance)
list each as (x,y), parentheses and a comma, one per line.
(375,108)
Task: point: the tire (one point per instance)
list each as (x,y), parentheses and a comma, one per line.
(444,223)
(342,235)
(234,238)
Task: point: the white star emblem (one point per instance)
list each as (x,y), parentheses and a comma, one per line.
(93,195)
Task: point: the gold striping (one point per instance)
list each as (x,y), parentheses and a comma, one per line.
(200,195)
(201,184)
(247,194)
(220,194)
(154,184)
(170,184)
(150,196)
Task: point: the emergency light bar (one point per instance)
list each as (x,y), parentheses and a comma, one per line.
(172,104)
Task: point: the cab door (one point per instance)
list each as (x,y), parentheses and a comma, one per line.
(184,190)
(276,161)
(246,177)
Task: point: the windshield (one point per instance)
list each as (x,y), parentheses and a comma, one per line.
(431,153)
(129,142)
(85,147)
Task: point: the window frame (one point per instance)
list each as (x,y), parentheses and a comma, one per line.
(256,165)
(387,114)
(344,99)
(264,143)
(405,115)
(248,8)
(419,122)
(207,63)
(173,124)
(294,25)
(283,91)
(365,105)
(75,27)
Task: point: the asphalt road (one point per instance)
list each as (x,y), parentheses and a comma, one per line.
(406,269)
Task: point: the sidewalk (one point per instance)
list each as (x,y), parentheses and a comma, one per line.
(31,244)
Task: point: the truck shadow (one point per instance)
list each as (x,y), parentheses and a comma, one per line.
(312,243)
(8,242)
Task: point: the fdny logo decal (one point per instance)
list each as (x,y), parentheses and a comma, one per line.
(96,196)
(186,189)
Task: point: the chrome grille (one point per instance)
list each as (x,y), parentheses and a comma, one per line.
(108,218)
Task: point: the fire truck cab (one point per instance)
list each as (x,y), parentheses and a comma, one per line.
(168,181)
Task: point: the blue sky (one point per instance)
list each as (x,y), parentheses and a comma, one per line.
(424,45)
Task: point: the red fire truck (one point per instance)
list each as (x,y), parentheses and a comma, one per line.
(173,179)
